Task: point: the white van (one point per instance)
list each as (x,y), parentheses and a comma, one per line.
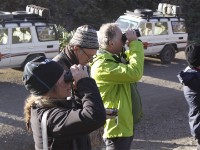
(24,36)
(163,32)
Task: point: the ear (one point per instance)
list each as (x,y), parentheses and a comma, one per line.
(76,48)
(110,43)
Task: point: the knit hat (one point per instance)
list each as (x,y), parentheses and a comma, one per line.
(192,53)
(41,74)
(85,37)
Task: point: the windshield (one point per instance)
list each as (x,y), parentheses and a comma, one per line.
(124,24)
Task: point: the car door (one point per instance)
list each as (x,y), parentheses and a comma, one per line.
(22,44)
(179,34)
(161,35)
(47,41)
(146,29)
(4,47)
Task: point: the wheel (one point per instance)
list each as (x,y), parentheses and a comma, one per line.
(167,54)
(5,15)
(23,14)
(19,12)
(146,12)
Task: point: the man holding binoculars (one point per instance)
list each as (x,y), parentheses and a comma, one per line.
(80,50)
(114,78)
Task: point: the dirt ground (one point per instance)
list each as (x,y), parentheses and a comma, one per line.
(163,127)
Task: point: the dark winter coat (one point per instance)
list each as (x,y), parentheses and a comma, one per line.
(190,78)
(68,128)
(66,58)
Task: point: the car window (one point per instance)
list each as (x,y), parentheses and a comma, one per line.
(46,33)
(21,35)
(161,28)
(3,36)
(178,27)
(124,24)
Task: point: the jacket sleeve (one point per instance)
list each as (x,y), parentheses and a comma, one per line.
(79,121)
(104,71)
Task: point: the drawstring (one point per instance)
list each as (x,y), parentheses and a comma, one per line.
(73,96)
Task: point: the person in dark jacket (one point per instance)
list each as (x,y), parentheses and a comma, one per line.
(81,50)
(190,78)
(69,121)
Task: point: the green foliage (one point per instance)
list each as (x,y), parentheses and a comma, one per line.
(64,36)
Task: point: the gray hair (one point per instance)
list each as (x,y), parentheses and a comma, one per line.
(107,32)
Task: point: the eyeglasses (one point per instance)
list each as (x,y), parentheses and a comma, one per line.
(90,57)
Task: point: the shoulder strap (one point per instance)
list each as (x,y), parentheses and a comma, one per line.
(44,130)
(45,135)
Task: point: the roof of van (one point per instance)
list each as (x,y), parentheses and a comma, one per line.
(151,19)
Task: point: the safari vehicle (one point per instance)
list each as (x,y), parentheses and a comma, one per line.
(163,32)
(25,35)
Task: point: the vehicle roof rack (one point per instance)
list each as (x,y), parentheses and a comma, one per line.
(166,11)
(32,15)
(41,11)
(25,18)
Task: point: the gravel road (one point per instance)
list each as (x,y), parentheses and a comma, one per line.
(163,127)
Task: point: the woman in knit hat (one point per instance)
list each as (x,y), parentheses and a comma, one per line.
(190,78)
(68,121)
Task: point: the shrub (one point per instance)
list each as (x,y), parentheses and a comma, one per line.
(64,36)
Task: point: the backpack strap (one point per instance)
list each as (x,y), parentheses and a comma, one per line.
(44,130)
(45,135)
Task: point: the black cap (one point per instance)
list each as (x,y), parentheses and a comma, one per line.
(41,74)
(192,53)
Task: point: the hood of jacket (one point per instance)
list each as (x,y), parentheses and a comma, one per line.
(190,77)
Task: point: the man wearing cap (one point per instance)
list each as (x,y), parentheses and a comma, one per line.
(190,78)
(81,48)
(68,122)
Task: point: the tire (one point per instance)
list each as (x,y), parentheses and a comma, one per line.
(23,14)
(167,54)
(19,12)
(5,15)
(146,12)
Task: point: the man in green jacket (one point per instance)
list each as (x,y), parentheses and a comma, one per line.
(114,76)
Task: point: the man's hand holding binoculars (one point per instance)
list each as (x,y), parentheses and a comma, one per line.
(130,35)
(79,72)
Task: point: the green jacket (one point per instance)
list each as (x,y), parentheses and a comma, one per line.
(113,80)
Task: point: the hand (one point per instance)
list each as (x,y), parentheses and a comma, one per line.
(79,72)
(131,35)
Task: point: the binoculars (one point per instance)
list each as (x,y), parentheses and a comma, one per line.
(124,36)
(68,75)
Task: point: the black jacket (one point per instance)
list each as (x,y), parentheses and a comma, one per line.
(68,127)
(66,58)
(190,78)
